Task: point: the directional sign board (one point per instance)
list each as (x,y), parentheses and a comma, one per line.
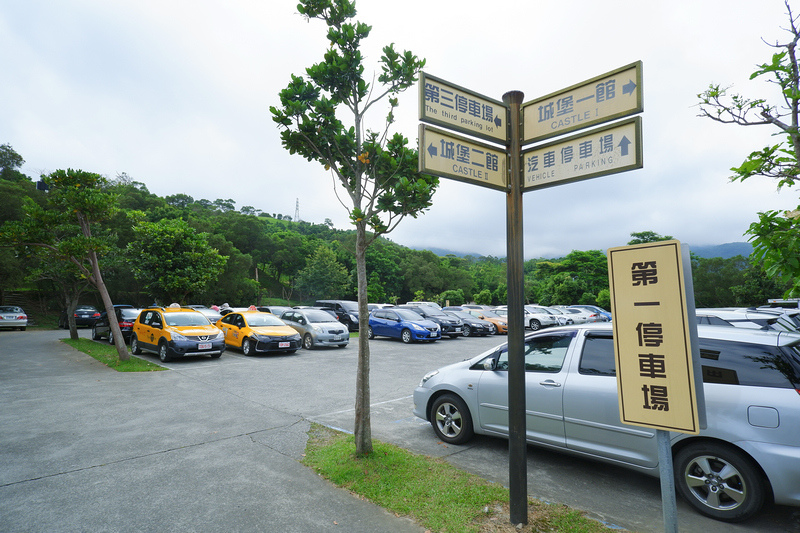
(453,107)
(607,150)
(452,156)
(656,376)
(607,97)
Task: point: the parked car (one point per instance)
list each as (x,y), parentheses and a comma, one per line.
(473,326)
(429,304)
(317,328)
(500,323)
(12,316)
(749,452)
(346,310)
(450,326)
(125,316)
(744,318)
(276,310)
(533,319)
(211,314)
(85,315)
(402,324)
(605,316)
(176,331)
(256,331)
(564,318)
(578,315)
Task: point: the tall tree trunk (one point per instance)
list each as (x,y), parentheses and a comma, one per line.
(119,341)
(363,426)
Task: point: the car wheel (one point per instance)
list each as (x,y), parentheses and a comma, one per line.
(535,325)
(467,330)
(247,347)
(719,481)
(495,329)
(135,348)
(308,341)
(406,336)
(95,335)
(370,334)
(110,336)
(163,352)
(451,420)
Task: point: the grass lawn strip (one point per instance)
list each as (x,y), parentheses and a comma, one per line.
(438,496)
(107,354)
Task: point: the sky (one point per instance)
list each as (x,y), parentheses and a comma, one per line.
(176,94)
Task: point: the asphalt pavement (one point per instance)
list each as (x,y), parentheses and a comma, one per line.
(215,444)
(85,448)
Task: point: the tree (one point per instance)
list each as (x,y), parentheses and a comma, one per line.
(377,173)
(78,201)
(10,161)
(643,237)
(776,235)
(173,260)
(323,277)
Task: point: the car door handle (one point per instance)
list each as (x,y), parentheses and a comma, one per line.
(549,383)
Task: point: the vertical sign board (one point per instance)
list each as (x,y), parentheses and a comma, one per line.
(607,97)
(602,151)
(653,337)
(450,106)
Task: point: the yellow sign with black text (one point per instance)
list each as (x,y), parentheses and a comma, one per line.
(653,336)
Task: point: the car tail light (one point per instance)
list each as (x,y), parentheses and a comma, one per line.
(126,324)
(96,315)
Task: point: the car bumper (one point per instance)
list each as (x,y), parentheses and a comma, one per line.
(332,340)
(781,464)
(13,323)
(192,348)
(426,335)
(281,344)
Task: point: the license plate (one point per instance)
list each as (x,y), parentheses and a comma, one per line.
(284,344)
(458,330)
(337,337)
(204,346)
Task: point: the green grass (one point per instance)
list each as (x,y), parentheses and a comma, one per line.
(107,354)
(435,494)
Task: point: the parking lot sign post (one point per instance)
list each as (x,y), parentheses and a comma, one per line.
(615,148)
(655,346)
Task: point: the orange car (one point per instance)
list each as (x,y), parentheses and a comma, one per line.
(499,322)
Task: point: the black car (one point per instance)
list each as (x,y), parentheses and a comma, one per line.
(126,316)
(346,311)
(85,315)
(451,326)
(473,326)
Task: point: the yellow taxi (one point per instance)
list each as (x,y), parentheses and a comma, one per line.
(175,331)
(256,331)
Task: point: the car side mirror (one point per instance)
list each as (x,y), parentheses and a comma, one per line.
(490,363)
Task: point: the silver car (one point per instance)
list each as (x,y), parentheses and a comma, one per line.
(749,453)
(13,317)
(317,328)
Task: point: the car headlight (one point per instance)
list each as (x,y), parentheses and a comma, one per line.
(417,327)
(178,337)
(220,335)
(318,329)
(259,338)
(427,376)
(295,337)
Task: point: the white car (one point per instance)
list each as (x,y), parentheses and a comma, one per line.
(13,317)
(534,318)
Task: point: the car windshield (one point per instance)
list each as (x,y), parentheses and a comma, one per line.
(186,319)
(433,311)
(462,314)
(350,307)
(130,314)
(317,316)
(10,309)
(407,314)
(255,321)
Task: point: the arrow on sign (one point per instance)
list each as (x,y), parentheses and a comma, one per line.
(623,145)
(629,87)
(432,150)
(497,121)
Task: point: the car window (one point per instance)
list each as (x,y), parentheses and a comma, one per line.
(544,353)
(598,356)
(227,319)
(264,320)
(187,319)
(740,363)
(317,316)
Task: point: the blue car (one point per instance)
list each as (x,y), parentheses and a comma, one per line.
(402,324)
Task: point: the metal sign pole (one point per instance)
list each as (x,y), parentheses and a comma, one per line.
(517,447)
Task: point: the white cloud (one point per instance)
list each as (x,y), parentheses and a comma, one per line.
(177,94)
